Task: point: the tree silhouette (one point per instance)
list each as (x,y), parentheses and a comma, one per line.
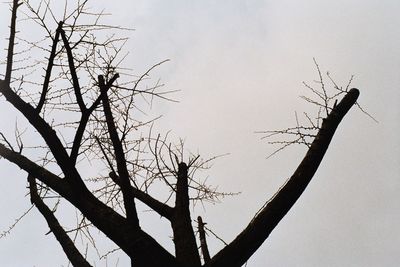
(84,109)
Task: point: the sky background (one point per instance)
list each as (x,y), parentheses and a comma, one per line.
(239,66)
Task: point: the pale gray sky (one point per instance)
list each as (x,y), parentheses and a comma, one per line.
(239,66)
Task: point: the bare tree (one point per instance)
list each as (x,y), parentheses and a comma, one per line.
(86,108)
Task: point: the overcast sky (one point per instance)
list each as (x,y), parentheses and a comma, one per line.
(239,66)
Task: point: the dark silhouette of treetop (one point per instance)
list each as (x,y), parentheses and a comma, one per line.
(87,111)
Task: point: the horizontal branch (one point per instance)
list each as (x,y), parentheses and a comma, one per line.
(50,179)
(203,240)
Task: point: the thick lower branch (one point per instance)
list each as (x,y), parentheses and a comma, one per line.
(251,238)
(134,242)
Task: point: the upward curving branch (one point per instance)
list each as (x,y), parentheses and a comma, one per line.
(250,239)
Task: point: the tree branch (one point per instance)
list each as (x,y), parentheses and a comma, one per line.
(50,179)
(107,87)
(72,69)
(11,41)
(73,254)
(134,242)
(49,69)
(203,240)
(141,247)
(129,202)
(83,122)
(159,207)
(251,238)
(76,145)
(48,134)
(185,242)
